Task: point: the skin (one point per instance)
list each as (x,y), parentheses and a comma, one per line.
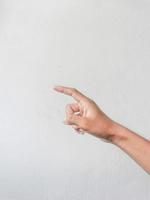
(85,116)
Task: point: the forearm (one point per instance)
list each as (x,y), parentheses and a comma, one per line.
(137,147)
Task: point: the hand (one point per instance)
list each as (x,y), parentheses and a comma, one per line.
(85,115)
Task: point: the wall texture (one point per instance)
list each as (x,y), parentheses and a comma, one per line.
(101,47)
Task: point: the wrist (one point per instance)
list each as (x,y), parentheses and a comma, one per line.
(117,133)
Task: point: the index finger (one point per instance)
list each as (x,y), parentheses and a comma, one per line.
(78,96)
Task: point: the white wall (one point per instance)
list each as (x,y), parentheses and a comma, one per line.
(101,47)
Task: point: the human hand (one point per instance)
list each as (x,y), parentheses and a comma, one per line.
(85,115)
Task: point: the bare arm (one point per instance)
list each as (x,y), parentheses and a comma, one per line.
(86,116)
(133,144)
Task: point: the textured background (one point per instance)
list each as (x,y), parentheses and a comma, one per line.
(101,47)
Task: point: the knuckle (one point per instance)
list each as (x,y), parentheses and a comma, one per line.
(70,118)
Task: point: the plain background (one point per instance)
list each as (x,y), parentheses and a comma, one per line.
(100,47)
